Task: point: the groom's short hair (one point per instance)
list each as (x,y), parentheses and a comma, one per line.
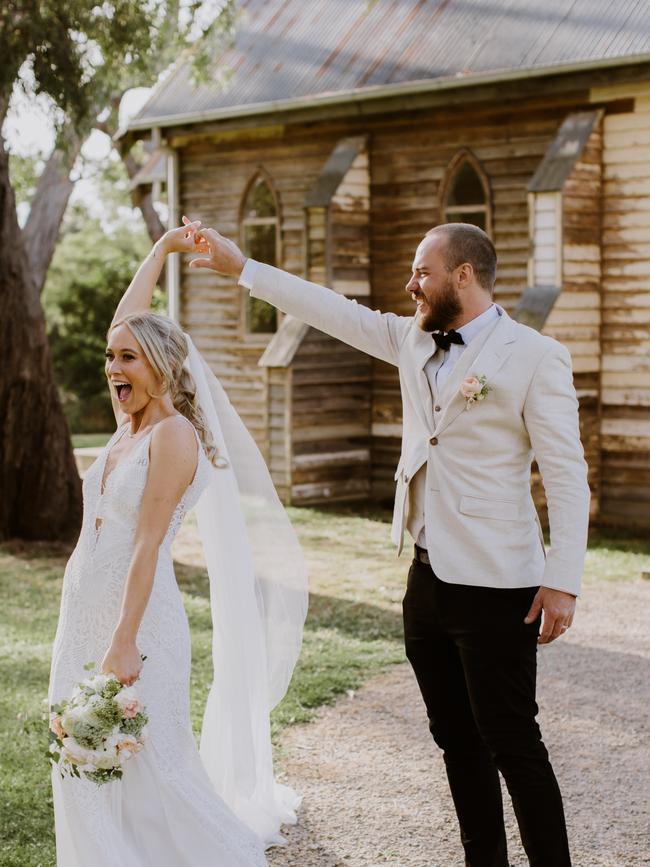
(469,243)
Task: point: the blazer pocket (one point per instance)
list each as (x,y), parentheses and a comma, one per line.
(481,507)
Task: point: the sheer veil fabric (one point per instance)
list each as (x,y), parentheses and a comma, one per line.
(258,599)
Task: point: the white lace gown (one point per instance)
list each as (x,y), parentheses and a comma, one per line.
(164,812)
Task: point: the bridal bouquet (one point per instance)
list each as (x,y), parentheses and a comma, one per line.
(97,729)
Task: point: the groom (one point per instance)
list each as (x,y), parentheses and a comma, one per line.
(482,395)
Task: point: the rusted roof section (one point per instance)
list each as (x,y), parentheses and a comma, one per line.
(291,49)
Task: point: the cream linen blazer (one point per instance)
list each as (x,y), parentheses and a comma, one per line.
(480,521)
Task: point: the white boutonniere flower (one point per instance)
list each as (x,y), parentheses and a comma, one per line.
(473,389)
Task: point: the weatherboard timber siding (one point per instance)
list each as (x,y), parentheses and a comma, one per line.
(625,331)
(278,396)
(330,421)
(318,390)
(213,181)
(602,313)
(408,164)
(575,319)
(349,232)
(331,383)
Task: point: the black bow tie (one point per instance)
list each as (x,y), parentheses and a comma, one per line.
(445,339)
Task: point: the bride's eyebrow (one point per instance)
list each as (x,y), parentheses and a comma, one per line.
(123,349)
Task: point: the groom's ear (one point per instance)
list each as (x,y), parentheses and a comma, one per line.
(465,273)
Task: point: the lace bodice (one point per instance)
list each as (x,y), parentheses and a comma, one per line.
(114,507)
(95,575)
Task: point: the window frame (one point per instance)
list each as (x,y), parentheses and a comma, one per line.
(465,156)
(260,174)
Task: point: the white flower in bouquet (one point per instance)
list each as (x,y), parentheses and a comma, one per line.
(76,715)
(100,727)
(113,739)
(74,752)
(98,681)
(105,759)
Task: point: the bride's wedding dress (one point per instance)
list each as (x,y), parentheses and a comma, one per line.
(165,811)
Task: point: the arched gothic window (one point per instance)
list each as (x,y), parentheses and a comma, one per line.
(465,194)
(260,232)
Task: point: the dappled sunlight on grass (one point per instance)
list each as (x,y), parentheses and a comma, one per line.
(94,440)
(354,624)
(616,559)
(353,630)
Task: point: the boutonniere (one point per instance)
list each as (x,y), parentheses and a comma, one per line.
(474,388)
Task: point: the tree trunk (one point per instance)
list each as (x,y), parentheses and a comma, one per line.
(50,201)
(144,201)
(53,191)
(40,490)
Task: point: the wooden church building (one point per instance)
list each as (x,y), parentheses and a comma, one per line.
(349,128)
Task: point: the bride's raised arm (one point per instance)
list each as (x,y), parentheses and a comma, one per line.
(137,298)
(184,239)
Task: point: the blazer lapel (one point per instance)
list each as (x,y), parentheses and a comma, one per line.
(459,370)
(486,361)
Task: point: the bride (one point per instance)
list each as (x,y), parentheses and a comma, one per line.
(179,444)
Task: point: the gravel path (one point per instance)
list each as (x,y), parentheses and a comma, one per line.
(373,782)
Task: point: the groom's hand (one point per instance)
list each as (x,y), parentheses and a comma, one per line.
(558,607)
(224,255)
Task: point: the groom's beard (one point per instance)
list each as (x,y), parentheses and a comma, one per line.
(442,310)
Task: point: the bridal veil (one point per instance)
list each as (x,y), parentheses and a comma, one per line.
(258,599)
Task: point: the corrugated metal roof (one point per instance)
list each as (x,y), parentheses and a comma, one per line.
(291,49)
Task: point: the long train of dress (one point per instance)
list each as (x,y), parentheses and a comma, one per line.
(164,812)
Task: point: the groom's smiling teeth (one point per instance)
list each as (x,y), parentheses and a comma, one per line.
(123,390)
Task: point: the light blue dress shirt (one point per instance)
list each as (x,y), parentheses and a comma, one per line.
(468,332)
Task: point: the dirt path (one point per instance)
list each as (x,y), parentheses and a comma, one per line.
(374,785)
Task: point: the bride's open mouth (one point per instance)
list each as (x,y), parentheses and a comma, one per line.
(123,390)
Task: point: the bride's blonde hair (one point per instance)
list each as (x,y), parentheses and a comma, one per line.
(165,347)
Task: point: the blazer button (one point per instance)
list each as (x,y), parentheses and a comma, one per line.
(434,441)
(406,480)
(437,408)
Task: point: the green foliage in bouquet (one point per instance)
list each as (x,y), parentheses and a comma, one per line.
(93,732)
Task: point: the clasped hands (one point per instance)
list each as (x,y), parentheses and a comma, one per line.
(223,255)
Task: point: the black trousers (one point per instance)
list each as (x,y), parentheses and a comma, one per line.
(475,661)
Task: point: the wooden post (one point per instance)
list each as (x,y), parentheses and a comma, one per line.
(174,262)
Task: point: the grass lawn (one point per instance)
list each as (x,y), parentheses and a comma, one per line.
(89,441)
(353,631)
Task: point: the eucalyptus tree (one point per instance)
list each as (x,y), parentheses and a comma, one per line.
(84,57)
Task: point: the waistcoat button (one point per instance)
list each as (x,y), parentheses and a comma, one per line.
(437,408)
(434,441)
